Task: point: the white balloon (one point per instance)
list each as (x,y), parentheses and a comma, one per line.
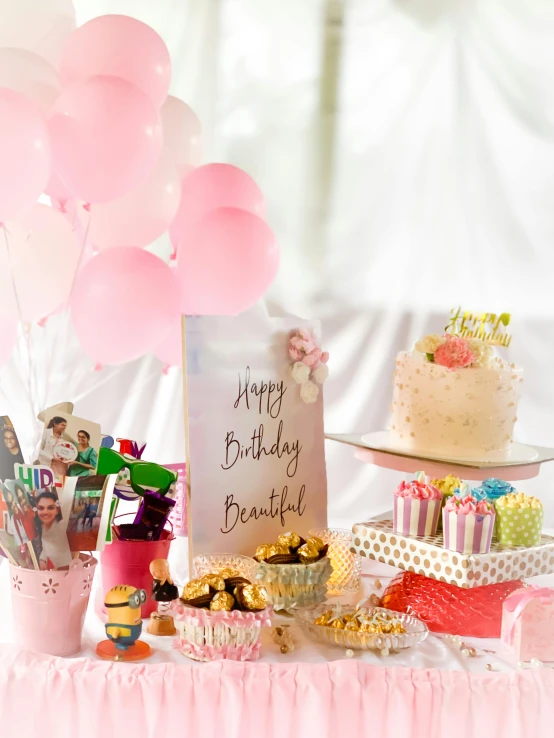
(41,26)
(31,75)
(182,134)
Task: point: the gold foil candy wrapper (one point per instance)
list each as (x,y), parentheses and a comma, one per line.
(324,618)
(222,601)
(227,573)
(337,623)
(316,542)
(308,553)
(215,581)
(353,624)
(195,588)
(291,540)
(251,597)
(261,552)
(276,550)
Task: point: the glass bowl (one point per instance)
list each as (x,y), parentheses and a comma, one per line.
(416,630)
(347,566)
(215,562)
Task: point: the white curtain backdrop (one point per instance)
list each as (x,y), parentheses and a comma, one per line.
(406,151)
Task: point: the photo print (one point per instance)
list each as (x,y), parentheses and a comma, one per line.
(69,445)
(10,450)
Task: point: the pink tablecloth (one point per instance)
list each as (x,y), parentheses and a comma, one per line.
(40,696)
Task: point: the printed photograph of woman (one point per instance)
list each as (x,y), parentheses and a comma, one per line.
(10,450)
(54,549)
(87,458)
(18,522)
(69,445)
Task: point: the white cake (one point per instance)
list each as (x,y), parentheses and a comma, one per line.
(466,412)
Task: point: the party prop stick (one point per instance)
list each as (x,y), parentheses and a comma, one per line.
(33,555)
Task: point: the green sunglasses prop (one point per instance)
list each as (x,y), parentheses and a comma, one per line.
(144,474)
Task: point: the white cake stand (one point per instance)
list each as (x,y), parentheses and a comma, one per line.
(377,448)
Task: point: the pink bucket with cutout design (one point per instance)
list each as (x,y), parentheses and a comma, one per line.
(49,607)
(128,562)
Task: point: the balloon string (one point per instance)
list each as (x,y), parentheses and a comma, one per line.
(26,332)
(64,321)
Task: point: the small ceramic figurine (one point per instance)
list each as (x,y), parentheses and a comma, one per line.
(124,625)
(163,592)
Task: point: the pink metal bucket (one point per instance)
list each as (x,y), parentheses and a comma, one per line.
(128,562)
(49,607)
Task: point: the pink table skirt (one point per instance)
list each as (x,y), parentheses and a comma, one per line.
(43,696)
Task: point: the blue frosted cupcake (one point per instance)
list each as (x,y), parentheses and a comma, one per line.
(492,489)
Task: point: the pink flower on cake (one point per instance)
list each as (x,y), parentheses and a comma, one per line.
(295,354)
(321,373)
(454,353)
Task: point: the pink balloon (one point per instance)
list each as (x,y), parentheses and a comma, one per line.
(31,75)
(214,186)
(39,254)
(120,46)
(8,337)
(141,216)
(40,26)
(24,153)
(170,350)
(106,138)
(57,192)
(182,134)
(123,300)
(226,263)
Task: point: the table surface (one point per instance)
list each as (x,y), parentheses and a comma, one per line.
(435,652)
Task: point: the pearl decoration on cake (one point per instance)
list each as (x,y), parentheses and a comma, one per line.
(536,663)
(349,653)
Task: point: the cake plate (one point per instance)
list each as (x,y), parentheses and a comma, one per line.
(377,448)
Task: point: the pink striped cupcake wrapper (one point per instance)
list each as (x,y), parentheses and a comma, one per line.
(467,533)
(413,517)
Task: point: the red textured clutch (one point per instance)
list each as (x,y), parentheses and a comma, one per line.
(445,608)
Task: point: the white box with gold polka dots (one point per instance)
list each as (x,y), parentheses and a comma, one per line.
(425,555)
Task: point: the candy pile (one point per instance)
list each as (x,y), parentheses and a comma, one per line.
(224,591)
(363,620)
(291,548)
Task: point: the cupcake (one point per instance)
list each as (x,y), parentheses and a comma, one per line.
(293,571)
(446,486)
(417,507)
(518,520)
(221,616)
(467,524)
(493,488)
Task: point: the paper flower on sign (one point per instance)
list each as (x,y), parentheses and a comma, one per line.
(310,363)
(309,392)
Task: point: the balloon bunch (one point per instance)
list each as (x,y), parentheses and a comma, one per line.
(86,119)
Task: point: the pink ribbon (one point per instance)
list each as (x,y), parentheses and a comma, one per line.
(518,601)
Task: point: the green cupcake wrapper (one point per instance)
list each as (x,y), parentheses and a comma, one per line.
(516,527)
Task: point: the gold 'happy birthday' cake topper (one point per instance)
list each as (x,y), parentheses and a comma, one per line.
(487,327)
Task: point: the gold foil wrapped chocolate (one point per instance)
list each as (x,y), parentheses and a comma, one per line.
(276,549)
(352,625)
(336,623)
(261,552)
(228,573)
(308,553)
(215,581)
(324,618)
(291,540)
(316,542)
(251,597)
(222,601)
(195,588)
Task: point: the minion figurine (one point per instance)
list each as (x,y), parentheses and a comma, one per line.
(124,625)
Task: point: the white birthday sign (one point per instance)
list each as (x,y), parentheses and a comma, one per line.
(256,462)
